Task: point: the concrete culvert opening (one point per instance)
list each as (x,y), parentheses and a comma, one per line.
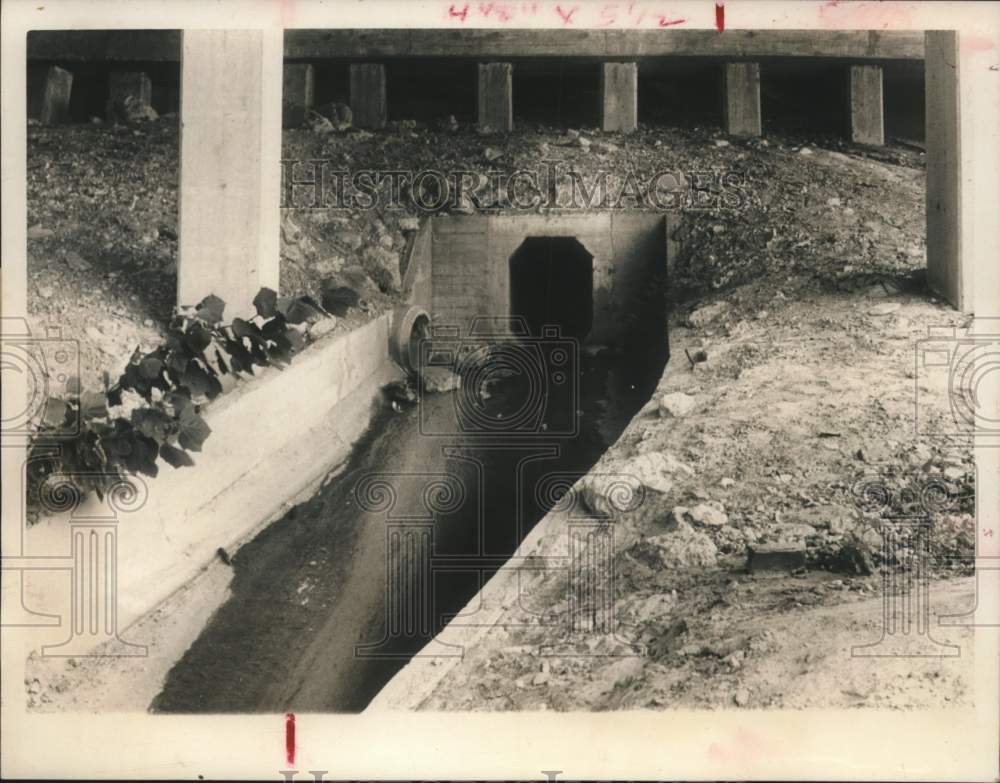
(552,284)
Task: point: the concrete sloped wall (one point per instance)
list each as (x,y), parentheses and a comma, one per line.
(272,438)
(471,255)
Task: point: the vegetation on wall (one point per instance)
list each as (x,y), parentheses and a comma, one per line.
(153,411)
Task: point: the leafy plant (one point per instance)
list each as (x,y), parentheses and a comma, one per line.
(153,410)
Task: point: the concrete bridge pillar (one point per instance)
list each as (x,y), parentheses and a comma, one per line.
(496,97)
(230,179)
(123,85)
(865,90)
(297,94)
(948,226)
(741,106)
(619,96)
(52,105)
(368,95)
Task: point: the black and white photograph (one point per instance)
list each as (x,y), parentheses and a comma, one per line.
(621,375)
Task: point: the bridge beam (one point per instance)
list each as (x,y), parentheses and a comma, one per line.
(368,95)
(619,96)
(496,97)
(865,90)
(741,106)
(230,174)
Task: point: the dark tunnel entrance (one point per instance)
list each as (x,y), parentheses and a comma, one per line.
(552,284)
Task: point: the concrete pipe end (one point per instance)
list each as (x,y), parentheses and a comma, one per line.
(410,326)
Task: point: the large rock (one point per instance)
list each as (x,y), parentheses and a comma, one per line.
(838,519)
(353,277)
(631,485)
(676,405)
(383,267)
(704,315)
(339,115)
(790,531)
(438,380)
(709,514)
(684,547)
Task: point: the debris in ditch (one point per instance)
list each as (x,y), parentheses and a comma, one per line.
(438,380)
(696,358)
(776,557)
(223,556)
(853,557)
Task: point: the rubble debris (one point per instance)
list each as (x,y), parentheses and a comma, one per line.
(776,557)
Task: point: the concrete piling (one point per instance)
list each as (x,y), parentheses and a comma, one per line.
(496,97)
(741,102)
(368,95)
(54,105)
(297,94)
(619,96)
(230,166)
(865,91)
(129,92)
(944,169)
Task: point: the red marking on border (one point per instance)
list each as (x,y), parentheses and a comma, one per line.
(567,16)
(720,16)
(290,738)
(664,22)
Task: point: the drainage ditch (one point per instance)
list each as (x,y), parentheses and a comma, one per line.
(329,602)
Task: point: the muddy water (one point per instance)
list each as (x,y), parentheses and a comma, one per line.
(331,600)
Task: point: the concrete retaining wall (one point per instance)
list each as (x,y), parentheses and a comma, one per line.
(272,437)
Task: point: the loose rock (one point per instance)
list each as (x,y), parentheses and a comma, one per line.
(676,405)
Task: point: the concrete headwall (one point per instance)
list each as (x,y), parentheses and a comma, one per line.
(471,256)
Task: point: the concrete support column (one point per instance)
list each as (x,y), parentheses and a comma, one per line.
(54,106)
(619,96)
(130,84)
(132,89)
(946,225)
(368,96)
(865,91)
(741,106)
(230,176)
(962,100)
(297,94)
(496,97)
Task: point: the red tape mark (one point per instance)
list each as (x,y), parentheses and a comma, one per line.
(290,738)
(720,16)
